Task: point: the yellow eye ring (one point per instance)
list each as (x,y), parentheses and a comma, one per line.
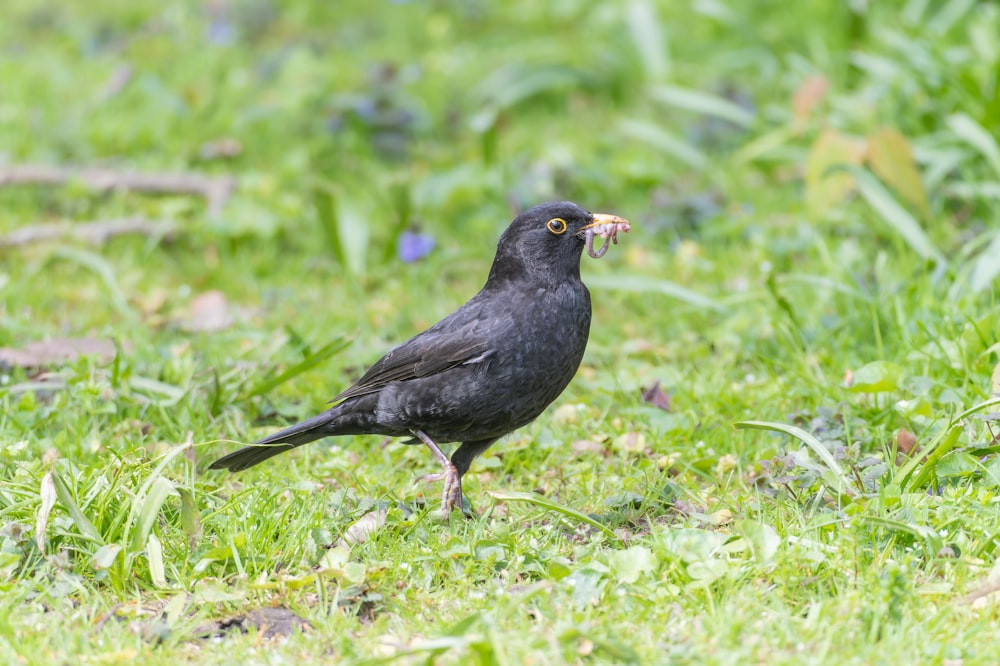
(556,225)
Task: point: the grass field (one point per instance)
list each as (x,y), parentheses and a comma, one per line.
(811,280)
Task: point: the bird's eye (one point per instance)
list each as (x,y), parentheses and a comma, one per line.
(556,225)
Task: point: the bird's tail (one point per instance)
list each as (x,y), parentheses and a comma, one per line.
(284,440)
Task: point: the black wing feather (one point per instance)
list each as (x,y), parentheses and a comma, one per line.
(432,352)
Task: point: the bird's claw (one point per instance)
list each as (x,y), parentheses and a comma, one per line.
(452,497)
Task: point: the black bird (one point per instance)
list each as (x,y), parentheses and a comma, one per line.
(487,369)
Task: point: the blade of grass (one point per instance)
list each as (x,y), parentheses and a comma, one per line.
(148,511)
(643,284)
(147,499)
(538,500)
(69,503)
(154,554)
(657,137)
(986,267)
(700,102)
(974,134)
(908,478)
(647,36)
(814,444)
(172,394)
(103,270)
(927,536)
(319,356)
(897,217)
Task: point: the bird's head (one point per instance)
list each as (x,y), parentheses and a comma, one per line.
(546,241)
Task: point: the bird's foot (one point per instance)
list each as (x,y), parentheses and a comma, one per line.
(452,497)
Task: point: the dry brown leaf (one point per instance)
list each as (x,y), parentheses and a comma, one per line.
(209,312)
(583,446)
(57,351)
(906,441)
(655,396)
(363,528)
(631,442)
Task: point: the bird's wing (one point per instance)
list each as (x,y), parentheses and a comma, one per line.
(435,350)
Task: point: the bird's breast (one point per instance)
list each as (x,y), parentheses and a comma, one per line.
(544,348)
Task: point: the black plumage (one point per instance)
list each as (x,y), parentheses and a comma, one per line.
(487,369)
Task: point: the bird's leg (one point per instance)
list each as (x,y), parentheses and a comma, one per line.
(452,497)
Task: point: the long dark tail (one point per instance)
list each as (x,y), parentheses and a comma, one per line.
(301,433)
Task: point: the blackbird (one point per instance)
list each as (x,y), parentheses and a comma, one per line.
(487,369)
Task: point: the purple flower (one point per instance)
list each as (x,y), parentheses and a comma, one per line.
(413,246)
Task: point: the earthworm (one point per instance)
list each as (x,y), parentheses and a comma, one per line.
(608,231)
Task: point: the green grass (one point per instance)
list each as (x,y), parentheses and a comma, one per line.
(779,249)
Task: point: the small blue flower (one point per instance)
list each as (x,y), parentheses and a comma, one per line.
(221,32)
(413,246)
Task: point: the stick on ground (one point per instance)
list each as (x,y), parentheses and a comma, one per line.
(216,190)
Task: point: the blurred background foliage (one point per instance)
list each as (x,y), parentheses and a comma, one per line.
(815,193)
(369,117)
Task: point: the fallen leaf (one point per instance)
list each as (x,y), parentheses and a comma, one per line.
(582,446)
(655,396)
(826,189)
(906,441)
(363,528)
(808,96)
(209,312)
(726,464)
(57,351)
(892,160)
(721,517)
(631,442)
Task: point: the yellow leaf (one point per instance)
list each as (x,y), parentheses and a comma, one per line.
(892,160)
(825,189)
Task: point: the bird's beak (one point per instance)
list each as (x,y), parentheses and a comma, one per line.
(605,226)
(606,223)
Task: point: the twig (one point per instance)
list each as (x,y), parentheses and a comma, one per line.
(216,190)
(984,590)
(96,233)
